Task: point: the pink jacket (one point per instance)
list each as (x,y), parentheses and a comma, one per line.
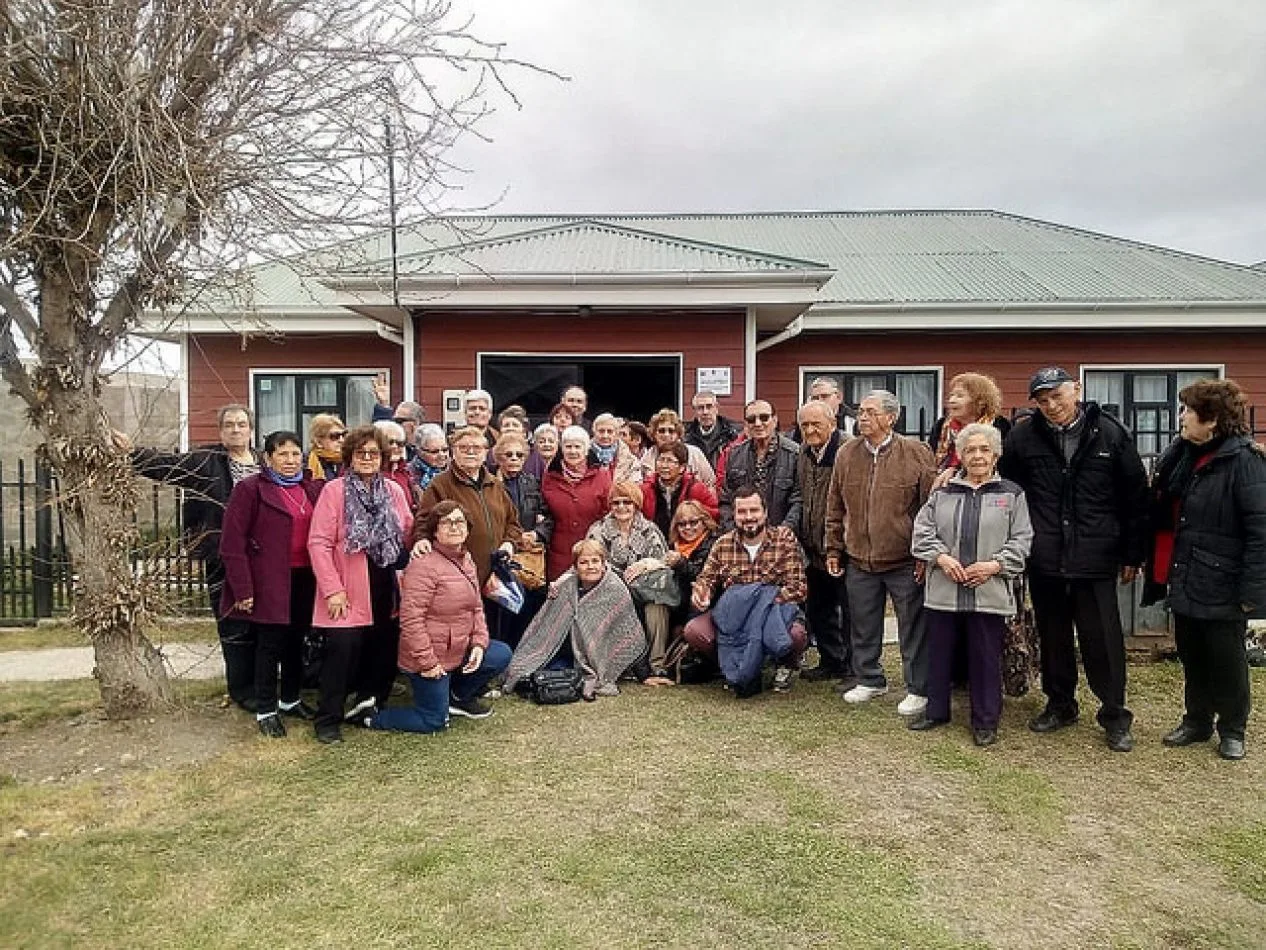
(335,569)
(441,612)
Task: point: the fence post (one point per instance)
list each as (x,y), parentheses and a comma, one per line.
(42,569)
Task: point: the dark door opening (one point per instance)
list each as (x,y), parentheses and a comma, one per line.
(635,387)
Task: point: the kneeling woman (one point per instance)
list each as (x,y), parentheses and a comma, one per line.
(444,646)
(592,612)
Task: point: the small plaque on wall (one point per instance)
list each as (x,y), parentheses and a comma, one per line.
(715,379)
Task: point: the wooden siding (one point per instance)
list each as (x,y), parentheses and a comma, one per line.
(219,367)
(448,344)
(1011,357)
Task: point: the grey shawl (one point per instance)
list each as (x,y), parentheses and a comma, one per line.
(645,540)
(606,636)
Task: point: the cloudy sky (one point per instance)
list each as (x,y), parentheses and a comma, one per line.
(1140,118)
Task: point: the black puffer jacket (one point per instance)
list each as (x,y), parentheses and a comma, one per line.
(1218,567)
(1089,515)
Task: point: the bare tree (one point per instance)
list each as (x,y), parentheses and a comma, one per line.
(151,147)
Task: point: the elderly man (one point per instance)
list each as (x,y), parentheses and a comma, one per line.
(666,428)
(407,414)
(826,390)
(826,608)
(767,461)
(878,485)
(477,408)
(755,564)
(710,431)
(1087,495)
(577,402)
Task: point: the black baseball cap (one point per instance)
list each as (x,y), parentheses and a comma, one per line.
(1048,378)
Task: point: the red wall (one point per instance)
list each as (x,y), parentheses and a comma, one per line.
(219,367)
(448,344)
(1011,357)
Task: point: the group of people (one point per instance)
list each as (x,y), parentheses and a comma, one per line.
(719,548)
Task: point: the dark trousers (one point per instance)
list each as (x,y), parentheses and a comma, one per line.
(1215,671)
(361,659)
(981,634)
(237,640)
(868,592)
(1089,605)
(429,711)
(826,613)
(281,645)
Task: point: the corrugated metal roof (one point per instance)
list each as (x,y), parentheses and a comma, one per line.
(878,256)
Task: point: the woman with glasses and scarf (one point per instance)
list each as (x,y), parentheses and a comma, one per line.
(395,465)
(611,451)
(357,543)
(524,489)
(325,460)
(575,489)
(433,456)
(268,574)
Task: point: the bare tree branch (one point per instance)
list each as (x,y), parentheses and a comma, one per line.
(15,309)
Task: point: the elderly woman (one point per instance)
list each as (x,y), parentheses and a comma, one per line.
(670,485)
(690,538)
(268,574)
(544,448)
(637,437)
(433,454)
(974,534)
(667,429)
(612,452)
(575,489)
(634,547)
(591,616)
(357,542)
(972,397)
(513,421)
(494,520)
(325,434)
(1209,558)
(396,465)
(445,650)
(535,519)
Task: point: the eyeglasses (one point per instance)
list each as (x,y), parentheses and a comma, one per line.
(689,522)
(468,449)
(336,435)
(455,520)
(395,442)
(513,455)
(759,417)
(621,502)
(667,429)
(442,450)
(368,454)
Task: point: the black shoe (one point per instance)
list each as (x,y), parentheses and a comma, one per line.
(1186,735)
(299,710)
(1231,748)
(329,735)
(1050,721)
(473,708)
(923,724)
(362,708)
(820,674)
(1120,740)
(984,737)
(272,726)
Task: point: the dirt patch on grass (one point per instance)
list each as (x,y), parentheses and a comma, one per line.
(90,747)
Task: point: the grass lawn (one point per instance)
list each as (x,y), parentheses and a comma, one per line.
(659,818)
(62,634)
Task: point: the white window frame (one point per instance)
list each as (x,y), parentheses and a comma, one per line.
(306,371)
(679,356)
(818,370)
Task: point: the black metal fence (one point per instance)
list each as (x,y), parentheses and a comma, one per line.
(37,573)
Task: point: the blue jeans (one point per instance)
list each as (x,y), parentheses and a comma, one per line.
(429,712)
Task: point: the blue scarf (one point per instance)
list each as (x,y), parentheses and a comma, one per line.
(606,455)
(285,481)
(423,471)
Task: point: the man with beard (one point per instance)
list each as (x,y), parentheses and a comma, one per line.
(758,571)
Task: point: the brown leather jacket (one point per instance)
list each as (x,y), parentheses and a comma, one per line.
(873,501)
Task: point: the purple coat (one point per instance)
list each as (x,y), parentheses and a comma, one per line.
(255,549)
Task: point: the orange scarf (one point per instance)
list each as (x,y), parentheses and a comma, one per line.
(317,456)
(687,548)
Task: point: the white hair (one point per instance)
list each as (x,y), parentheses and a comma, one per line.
(574,434)
(992,436)
(429,431)
(476,395)
(393,429)
(887,401)
(694,400)
(607,417)
(544,427)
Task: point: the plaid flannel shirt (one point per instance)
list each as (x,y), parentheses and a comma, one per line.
(779,562)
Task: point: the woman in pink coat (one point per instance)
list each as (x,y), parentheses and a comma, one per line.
(444,645)
(575,489)
(356,543)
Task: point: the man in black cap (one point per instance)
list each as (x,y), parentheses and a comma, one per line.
(1087,496)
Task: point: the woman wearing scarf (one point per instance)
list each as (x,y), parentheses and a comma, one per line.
(972,398)
(1209,558)
(690,538)
(591,616)
(670,485)
(445,650)
(611,451)
(268,574)
(534,518)
(325,460)
(433,455)
(357,543)
(396,466)
(575,489)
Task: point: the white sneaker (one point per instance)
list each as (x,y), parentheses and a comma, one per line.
(912,705)
(864,694)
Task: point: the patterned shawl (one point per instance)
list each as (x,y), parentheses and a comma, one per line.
(606,636)
(370,520)
(644,540)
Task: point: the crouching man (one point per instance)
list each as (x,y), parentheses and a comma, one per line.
(758,572)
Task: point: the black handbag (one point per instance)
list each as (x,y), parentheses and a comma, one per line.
(555,687)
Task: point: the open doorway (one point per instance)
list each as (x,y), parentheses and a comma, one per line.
(635,387)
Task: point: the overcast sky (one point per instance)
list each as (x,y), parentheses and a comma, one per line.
(1140,118)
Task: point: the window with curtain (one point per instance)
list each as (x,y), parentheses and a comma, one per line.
(1146,400)
(916,390)
(291,400)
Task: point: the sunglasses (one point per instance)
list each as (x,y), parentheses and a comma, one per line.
(395,442)
(689,522)
(368,454)
(513,455)
(759,417)
(401,420)
(621,502)
(336,435)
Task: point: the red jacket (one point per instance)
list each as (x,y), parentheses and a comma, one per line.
(441,612)
(575,506)
(691,490)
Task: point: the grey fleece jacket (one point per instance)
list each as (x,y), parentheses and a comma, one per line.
(989,523)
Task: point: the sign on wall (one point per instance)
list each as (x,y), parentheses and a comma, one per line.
(715,379)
